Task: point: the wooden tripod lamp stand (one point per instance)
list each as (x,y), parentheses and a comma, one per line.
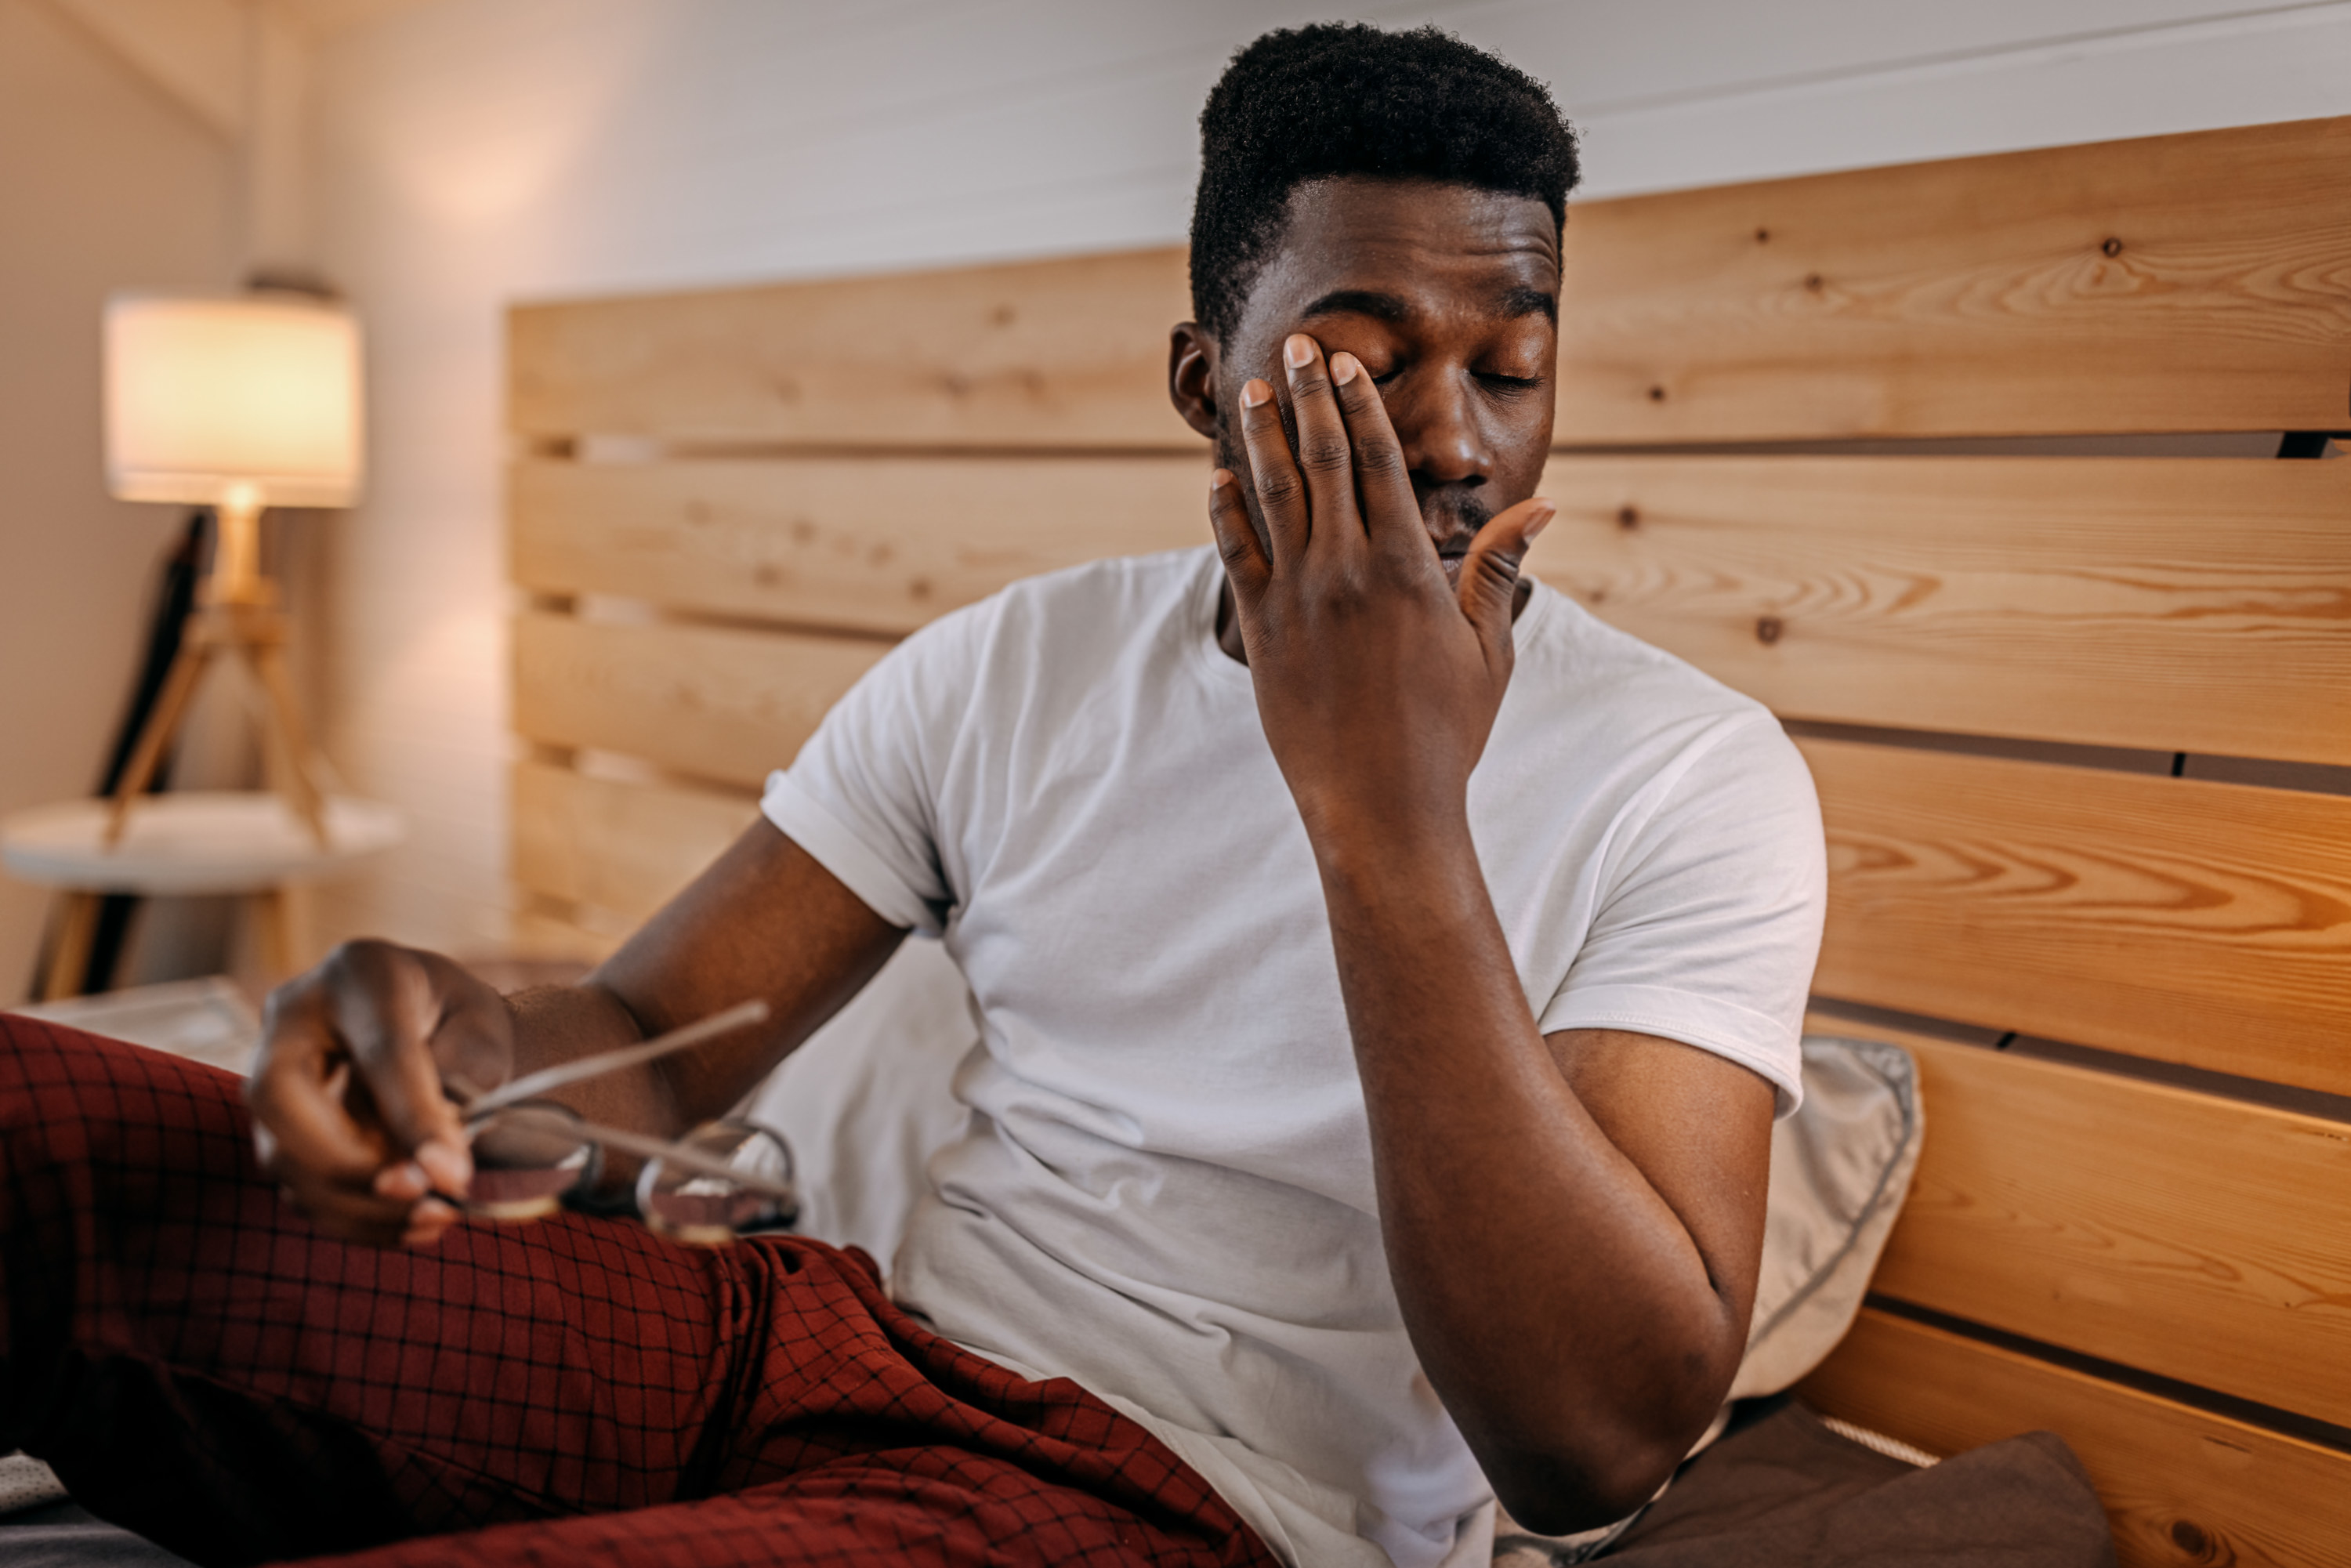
(238,403)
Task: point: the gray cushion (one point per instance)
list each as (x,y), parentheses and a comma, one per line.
(1783,1491)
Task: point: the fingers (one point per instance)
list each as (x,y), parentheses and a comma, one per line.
(1323,454)
(390,1005)
(302,1122)
(1236,542)
(329,1163)
(368,1217)
(1391,511)
(1281,498)
(1490,572)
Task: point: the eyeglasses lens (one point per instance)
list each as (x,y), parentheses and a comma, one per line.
(526,1158)
(695,1204)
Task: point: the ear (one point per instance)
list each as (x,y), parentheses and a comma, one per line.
(1192,376)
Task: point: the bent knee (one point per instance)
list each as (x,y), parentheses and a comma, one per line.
(80,1095)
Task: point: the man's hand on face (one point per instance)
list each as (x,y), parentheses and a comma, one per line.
(1377,680)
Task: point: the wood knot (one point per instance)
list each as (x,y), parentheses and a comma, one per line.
(1656,395)
(1628,517)
(2188,1535)
(1814,283)
(2112,247)
(1767,628)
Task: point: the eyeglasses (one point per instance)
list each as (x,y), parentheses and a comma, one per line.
(532,1156)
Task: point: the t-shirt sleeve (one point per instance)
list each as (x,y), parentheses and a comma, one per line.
(862,795)
(1710,923)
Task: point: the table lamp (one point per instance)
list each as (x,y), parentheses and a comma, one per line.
(237,404)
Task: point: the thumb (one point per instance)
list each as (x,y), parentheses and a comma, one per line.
(1490,572)
(390,1020)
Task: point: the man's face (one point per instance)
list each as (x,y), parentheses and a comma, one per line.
(1448,295)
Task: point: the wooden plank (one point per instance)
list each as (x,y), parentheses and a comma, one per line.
(2185,1234)
(2178,918)
(2190,282)
(625,848)
(2180,604)
(2180,1486)
(1868,309)
(715,701)
(1065,353)
(880,545)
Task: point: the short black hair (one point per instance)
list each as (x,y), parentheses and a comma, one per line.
(1311,103)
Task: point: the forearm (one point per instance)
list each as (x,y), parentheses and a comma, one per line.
(1562,1311)
(556,1024)
(764,921)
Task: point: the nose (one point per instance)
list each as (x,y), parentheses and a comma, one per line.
(1436,421)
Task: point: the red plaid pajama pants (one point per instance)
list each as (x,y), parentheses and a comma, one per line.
(201,1365)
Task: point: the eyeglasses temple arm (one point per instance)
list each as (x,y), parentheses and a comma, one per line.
(652,1148)
(691,1158)
(530,1085)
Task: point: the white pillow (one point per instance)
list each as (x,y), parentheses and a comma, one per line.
(868,1099)
(1840,1168)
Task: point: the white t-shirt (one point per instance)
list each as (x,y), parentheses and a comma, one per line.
(1165,1189)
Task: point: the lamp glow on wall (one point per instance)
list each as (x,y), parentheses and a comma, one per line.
(238,403)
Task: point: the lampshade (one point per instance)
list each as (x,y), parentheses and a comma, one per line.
(252,399)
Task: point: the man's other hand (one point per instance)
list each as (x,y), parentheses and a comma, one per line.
(349,1112)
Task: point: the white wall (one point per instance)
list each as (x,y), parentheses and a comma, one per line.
(105,182)
(473,153)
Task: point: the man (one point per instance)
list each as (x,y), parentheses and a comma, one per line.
(1387,977)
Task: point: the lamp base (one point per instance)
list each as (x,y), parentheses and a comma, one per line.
(236,576)
(245,621)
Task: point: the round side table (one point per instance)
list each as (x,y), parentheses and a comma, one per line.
(200,841)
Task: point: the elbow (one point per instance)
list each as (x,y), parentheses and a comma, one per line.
(1564,1494)
(1594,1440)
(1606,1463)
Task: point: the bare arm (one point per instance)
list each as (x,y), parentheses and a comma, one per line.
(348,1108)
(1573,1224)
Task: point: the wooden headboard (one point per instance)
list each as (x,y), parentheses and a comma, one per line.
(1812,425)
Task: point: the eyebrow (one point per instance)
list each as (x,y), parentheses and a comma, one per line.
(1510,303)
(1359,302)
(1525,301)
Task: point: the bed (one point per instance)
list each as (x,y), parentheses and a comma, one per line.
(2003,480)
